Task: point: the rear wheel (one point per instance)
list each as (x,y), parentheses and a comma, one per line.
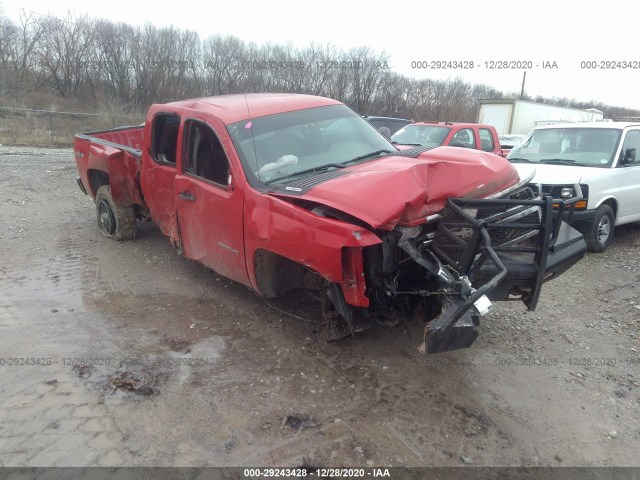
(600,233)
(114,221)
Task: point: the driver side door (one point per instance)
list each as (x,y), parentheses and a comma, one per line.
(209,199)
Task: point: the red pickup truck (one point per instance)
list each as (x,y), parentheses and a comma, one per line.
(465,135)
(286,192)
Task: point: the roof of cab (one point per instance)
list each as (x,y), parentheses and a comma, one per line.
(235,108)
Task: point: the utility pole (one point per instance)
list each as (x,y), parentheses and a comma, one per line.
(524,77)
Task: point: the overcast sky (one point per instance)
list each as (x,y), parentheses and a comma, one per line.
(539,31)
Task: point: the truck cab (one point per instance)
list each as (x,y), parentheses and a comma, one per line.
(466,135)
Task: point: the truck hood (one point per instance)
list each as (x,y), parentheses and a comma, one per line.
(396,190)
(557,174)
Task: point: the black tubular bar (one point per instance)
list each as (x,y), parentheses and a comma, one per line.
(469,253)
(510,248)
(443,323)
(541,256)
(530,226)
(480,243)
(483,202)
(453,236)
(458,203)
(496,217)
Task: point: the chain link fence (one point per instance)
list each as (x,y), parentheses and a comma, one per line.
(24,126)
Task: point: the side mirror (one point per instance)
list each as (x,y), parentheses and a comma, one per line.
(629,156)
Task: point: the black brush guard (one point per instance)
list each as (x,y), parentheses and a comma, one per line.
(507,248)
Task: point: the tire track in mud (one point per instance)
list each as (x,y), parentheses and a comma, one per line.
(73,269)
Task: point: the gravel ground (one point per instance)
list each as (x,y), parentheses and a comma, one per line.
(128,354)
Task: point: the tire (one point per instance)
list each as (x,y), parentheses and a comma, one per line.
(600,233)
(118,223)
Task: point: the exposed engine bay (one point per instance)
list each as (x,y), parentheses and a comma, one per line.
(446,271)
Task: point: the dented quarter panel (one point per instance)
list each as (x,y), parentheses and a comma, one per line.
(123,169)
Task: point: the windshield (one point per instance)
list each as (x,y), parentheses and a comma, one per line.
(589,147)
(425,135)
(277,146)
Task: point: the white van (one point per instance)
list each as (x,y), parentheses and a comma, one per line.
(601,158)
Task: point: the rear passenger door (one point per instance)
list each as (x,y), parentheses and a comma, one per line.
(209,200)
(159,171)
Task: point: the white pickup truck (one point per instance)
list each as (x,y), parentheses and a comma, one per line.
(601,158)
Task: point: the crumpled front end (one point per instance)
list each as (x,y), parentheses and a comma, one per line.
(446,271)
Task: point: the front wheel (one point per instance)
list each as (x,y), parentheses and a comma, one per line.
(118,223)
(600,233)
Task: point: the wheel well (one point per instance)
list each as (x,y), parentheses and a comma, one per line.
(97,178)
(276,274)
(614,206)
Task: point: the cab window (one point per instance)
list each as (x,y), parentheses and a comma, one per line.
(165,138)
(204,155)
(463,138)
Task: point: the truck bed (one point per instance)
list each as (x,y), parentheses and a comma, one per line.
(122,136)
(111,157)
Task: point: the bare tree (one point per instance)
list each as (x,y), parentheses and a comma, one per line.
(121,67)
(67,53)
(318,64)
(114,60)
(366,71)
(222,62)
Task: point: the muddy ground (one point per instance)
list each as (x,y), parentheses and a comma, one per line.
(128,354)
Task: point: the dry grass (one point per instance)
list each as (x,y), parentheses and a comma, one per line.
(45,129)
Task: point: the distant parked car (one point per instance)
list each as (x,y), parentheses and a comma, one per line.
(466,135)
(509,141)
(393,124)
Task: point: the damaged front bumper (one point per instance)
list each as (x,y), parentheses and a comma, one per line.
(492,249)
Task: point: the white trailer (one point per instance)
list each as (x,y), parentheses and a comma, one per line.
(518,117)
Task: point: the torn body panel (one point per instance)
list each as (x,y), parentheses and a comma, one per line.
(123,178)
(444,271)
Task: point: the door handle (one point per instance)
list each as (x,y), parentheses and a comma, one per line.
(187,196)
